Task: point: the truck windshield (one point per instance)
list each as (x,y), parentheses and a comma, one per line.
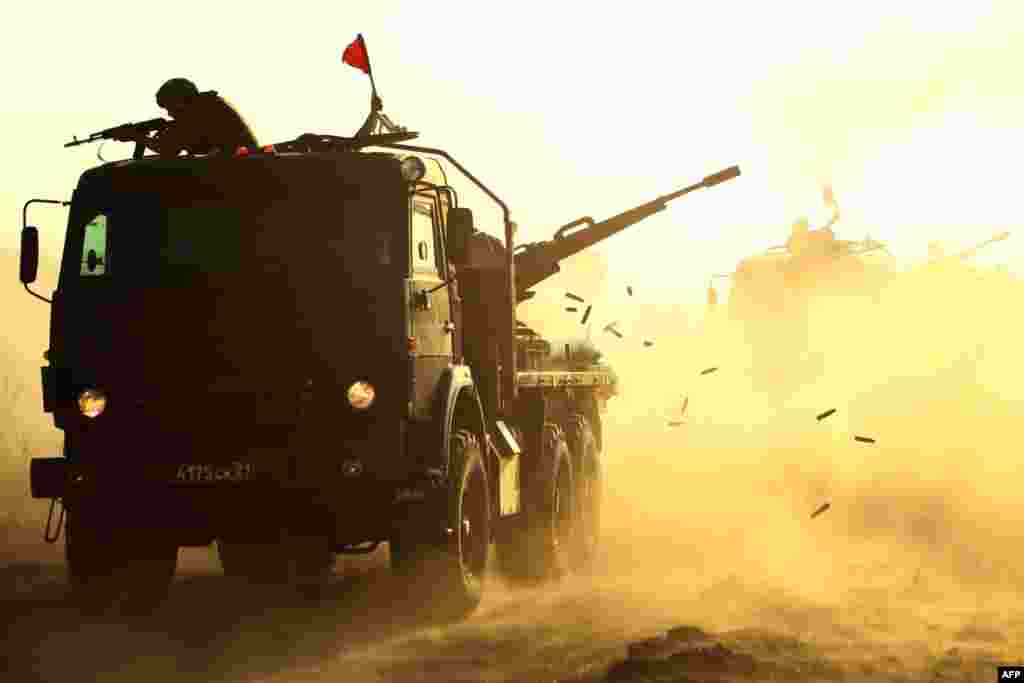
(145,242)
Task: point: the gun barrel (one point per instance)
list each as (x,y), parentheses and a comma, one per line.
(76,141)
(970,251)
(140,128)
(967,253)
(538,262)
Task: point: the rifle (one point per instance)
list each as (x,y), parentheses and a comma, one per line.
(134,131)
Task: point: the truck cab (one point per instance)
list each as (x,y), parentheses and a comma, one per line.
(230,331)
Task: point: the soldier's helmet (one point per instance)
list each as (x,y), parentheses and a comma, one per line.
(175,93)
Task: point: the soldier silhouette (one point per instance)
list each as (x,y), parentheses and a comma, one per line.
(203,122)
(806,243)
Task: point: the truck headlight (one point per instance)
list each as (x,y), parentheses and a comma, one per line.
(413,169)
(92,402)
(361,395)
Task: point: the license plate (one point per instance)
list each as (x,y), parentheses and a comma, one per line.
(192,473)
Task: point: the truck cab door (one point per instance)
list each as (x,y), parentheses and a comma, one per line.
(431,325)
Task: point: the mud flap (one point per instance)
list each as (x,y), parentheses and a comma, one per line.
(420,510)
(508,474)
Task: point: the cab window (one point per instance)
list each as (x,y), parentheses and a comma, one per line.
(94,247)
(424,252)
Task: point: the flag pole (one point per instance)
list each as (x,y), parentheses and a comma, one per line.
(369,72)
(375,104)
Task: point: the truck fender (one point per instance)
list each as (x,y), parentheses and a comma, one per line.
(457,385)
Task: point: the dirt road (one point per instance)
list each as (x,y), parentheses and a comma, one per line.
(211,633)
(802,605)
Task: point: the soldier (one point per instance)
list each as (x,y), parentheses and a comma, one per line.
(804,242)
(203,122)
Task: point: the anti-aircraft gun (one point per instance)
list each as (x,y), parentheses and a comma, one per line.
(964,254)
(486,268)
(809,261)
(774,296)
(538,261)
(762,283)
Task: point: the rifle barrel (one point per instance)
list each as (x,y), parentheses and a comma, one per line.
(77,142)
(141,128)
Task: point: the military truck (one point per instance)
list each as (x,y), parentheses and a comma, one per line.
(304,350)
(774,296)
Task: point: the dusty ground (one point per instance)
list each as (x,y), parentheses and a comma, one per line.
(914,573)
(863,611)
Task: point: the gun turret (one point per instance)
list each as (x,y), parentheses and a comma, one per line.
(538,261)
(126,131)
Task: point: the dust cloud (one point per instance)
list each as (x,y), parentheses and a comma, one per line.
(928,516)
(25,431)
(916,565)
(929,369)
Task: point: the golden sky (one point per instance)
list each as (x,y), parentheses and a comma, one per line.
(567,109)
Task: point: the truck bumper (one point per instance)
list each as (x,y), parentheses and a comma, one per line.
(58,477)
(48,477)
(356,509)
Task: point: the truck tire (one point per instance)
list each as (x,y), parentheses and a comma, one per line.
(449,576)
(588,494)
(538,548)
(114,568)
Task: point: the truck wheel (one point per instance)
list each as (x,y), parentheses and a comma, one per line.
(451,574)
(588,496)
(539,547)
(111,568)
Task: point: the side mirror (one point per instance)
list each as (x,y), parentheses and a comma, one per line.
(460,230)
(29,254)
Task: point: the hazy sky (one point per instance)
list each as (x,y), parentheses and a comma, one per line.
(567,109)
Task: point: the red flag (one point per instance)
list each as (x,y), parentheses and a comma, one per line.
(355,55)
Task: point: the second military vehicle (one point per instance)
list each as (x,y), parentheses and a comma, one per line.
(780,297)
